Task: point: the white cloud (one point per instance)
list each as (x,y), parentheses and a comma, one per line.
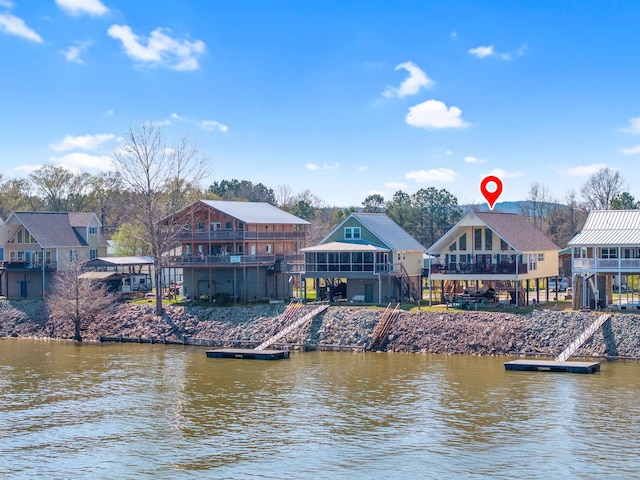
(502,174)
(214,125)
(26,168)
(83,142)
(78,7)
(175,116)
(474,160)
(630,151)
(6,3)
(582,171)
(363,168)
(73,52)
(416,80)
(482,52)
(311,166)
(634,126)
(160,48)
(395,185)
(109,113)
(435,114)
(433,175)
(453,35)
(489,51)
(12,25)
(78,161)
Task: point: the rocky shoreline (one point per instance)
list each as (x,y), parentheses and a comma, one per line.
(543,332)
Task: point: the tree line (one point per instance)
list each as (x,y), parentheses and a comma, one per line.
(117,196)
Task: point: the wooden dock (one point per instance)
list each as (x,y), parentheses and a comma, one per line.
(248,354)
(552,366)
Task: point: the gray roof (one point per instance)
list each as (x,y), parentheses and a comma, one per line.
(51,229)
(608,228)
(82,219)
(388,231)
(118,262)
(255,212)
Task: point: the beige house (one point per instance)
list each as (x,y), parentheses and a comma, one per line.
(34,245)
(496,250)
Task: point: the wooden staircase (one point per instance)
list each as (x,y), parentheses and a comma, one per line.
(288,315)
(381,331)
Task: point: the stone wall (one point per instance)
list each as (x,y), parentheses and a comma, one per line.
(544,332)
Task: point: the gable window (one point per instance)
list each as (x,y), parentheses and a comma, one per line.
(463,241)
(532,261)
(452,247)
(215,226)
(352,233)
(477,239)
(503,245)
(201,226)
(541,257)
(93,230)
(240,225)
(228,225)
(488,239)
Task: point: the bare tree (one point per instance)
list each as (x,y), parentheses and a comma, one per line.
(76,300)
(601,188)
(537,206)
(160,179)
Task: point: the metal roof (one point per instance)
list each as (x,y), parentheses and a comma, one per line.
(608,228)
(388,231)
(255,212)
(118,262)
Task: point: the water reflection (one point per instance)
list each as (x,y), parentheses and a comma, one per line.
(125,411)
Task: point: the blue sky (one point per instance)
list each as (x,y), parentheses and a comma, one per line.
(342,98)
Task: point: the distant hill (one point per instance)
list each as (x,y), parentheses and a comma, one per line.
(504,207)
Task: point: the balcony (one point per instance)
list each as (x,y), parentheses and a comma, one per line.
(28,266)
(463,269)
(237,235)
(614,265)
(231,261)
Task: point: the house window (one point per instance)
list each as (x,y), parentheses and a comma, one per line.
(609,252)
(503,245)
(452,247)
(532,262)
(267,248)
(240,225)
(201,226)
(93,230)
(228,225)
(488,239)
(215,226)
(352,233)
(188,249)
(73,255)
(463,241)
(240,249)
(93,253)
(477,239)
(541,257)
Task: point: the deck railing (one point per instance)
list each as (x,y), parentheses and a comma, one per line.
(479,269)
(237,235)
(613,264)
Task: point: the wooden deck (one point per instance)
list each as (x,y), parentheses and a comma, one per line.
(552,366)
(248,354)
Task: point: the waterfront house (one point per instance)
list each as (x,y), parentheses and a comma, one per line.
(366,258)
(493,250)
(606,259)
(34,245)
(238,251)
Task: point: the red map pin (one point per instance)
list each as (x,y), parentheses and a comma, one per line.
(491,194)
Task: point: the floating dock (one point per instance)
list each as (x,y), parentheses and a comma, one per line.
(248,354)
(552,366)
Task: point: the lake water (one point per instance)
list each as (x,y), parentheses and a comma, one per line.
(153,411)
